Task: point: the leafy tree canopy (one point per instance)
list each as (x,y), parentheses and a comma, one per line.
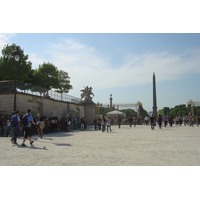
(177,110)
(8,64)
(63,82)
(49,77)
(46,76)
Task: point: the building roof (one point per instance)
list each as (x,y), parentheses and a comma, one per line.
(116,112)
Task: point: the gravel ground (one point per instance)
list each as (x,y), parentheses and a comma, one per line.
(127,146)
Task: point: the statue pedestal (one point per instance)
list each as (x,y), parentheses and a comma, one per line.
(89,111)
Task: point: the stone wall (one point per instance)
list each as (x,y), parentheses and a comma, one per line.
(46,106)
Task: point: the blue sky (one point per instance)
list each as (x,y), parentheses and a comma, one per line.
(113,46)
(121,64)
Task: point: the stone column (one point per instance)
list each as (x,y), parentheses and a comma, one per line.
(89,111)
(111,101)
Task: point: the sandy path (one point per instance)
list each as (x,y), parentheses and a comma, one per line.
(135,146)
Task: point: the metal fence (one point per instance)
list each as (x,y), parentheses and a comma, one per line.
(27,88)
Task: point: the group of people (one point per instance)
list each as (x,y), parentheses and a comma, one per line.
(100,123)
(16,125)
(103,123)
(29,125)
(189,120)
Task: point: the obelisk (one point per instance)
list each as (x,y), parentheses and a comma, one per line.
(154,96)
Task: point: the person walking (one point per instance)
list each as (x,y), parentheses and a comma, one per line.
(40,125)
(85,124)
(146,120)
(103,124)
(2,125)
(27,127)
(119,121)
(134,121)
(75,122)
(8,122)
(170,120)
(130,121)
(160,121)
(82,124)
(152,121)
(95,123)
(108,124)
(99,122)
(15,126)
(165,119)
(191,121)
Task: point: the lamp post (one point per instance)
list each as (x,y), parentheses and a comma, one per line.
(16,55)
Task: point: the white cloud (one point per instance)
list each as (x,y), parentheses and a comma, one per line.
(88,66)
(4,39)
(36,60)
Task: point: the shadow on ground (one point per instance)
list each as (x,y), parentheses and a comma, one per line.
(32,147)
(62,144)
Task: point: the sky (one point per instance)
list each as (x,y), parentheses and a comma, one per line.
(121,64)
(112,47)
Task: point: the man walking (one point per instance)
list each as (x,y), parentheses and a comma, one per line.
(15,126)
(152,121)
(27,127)
(2,125)
(165,119)
(119,120)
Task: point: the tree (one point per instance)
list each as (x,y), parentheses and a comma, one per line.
(63,82)
(129,112)
(46,76)
(177,110)
(8,64)
(143,112)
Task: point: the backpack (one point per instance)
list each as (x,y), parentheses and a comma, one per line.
(25,120)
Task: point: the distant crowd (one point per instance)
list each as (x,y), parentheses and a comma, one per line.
(50,125)
(55,124)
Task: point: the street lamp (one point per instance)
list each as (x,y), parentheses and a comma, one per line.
(16,55)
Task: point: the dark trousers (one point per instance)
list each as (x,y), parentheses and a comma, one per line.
(2,130)
(15,133)
(109,127)
(8,131)
(152,126)
(99,125)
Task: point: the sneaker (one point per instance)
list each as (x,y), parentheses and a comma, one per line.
(12,141)
(15,143)
(31,142)
(23,145)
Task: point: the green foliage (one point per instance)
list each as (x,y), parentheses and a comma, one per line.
(64,82)
(129,112)
(197,110)
(177,110)
(46,76)
(143,112)
(8,65)
(104,110)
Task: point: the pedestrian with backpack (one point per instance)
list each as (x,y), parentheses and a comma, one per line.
(27,121)
(15,127)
